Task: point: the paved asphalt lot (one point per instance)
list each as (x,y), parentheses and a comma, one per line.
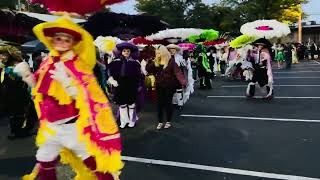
(218,135)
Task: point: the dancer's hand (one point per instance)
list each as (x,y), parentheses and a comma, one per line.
(113,82)
(60,74)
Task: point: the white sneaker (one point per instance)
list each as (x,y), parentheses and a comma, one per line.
(123,125)
(132,124)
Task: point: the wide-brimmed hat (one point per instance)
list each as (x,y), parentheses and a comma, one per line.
(263,41)
(173,46)
(50,32)
(12,51)
(126,45)
(84,47)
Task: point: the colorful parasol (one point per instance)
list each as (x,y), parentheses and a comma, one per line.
(242,41)
(215,42)
(222,45)
(123,26)
(16,27)
(265,29)
(206,35)
(144,41)
(187,46)
(179,33)
(81,7)
(107,44)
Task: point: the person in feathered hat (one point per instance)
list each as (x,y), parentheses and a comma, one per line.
(14,94)
(262,74)
(76,119)
(125,76)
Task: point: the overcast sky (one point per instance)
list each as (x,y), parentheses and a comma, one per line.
(313,7)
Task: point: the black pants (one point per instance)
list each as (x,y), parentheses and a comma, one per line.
(164,103)
(205,81)
(223,67)
(288,63)
(23,124)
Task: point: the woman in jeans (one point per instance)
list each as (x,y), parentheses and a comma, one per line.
(168,77)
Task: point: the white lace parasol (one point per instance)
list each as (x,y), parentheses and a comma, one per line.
(265,29)
(179,33)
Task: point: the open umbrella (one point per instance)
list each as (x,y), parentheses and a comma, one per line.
(178,33)
(16,27)
(187,46)
(81,7)
(143,41)
(265,29)
(215,42)
(33,46)
(123,26)
(242,41)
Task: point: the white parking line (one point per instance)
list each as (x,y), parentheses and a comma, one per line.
(299,77)
(294,72)
(251,118)
(316,61)
(289,85)
(215,169)
(281,97)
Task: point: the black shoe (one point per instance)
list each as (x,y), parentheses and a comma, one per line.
(12,137)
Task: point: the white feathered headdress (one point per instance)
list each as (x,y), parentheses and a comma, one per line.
(107,44)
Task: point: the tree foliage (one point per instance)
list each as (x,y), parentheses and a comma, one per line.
(228,15)
(283,10)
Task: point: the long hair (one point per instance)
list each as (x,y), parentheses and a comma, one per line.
(162,56)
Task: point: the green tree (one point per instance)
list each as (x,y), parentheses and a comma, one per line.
(250,10)
(10,4)
(171,11)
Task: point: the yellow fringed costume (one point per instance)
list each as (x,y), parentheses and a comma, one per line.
(95,124)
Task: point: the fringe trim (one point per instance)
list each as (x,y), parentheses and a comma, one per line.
(82,171)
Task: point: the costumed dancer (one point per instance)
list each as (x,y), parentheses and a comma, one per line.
(288,55)
(168,77)
(213,59)
(246,54)
(147,56)
(262,74)
(280,55)
(204,71)
(294,55)
(15,96)
(176,52)
(125,76)
(76,119)
(188,74)
(223,60)
(231,59)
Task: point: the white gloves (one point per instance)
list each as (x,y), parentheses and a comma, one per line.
(112,82)
(143,67)
(24,71)
(248,74)
(60,75)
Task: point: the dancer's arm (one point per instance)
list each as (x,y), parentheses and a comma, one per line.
(24,71)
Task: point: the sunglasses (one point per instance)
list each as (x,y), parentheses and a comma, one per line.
(62,39)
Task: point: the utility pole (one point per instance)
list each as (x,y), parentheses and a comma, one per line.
(300,24)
